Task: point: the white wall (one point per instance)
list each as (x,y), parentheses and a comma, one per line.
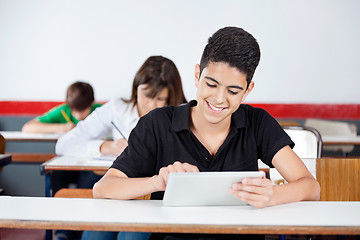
(310,48)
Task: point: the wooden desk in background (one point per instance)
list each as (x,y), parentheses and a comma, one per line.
(339,178)
(27,157)
(330,218)
(289,123)
(71,163)
(329,140)
(20,136)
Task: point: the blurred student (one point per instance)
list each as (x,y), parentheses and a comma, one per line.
(61,119)
(215,132)
(156,84)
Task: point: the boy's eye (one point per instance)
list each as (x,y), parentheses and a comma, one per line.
(210,85)
(233,93)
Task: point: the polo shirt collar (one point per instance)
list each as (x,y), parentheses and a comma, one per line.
(181,119)
(238,119)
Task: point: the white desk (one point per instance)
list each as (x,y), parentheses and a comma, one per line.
(71,163)
(151,216)
(336,140)
(34,157)
(20,136)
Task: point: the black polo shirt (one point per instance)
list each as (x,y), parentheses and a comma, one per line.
(163,136)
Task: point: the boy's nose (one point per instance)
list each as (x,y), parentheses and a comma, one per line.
(220,96)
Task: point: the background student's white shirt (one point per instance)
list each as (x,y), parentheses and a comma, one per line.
(86,138)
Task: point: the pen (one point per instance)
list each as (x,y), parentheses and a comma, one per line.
(118,130)
(65,116)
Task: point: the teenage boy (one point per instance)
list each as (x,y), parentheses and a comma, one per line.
(215,133)
(61,119)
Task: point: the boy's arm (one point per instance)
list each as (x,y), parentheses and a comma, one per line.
(116,185)
(35,126)
(301,184)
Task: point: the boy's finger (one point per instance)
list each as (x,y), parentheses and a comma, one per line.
(254,181)
(190,168)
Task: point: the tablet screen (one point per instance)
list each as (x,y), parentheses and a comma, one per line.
(204,188)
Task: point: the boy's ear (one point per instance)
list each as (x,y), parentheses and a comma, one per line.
(197,75)
(248,90)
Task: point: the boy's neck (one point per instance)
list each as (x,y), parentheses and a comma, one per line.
(211,135)
(199,124)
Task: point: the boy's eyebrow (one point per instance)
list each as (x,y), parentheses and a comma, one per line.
(231,86)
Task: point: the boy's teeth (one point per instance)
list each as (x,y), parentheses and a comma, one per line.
(215,108)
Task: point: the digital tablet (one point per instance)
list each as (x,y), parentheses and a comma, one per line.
(204,188)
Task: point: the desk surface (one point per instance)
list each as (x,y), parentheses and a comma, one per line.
(5,159)
(20,136)
(104,162)
(152,216)
(72,163)
(336,140)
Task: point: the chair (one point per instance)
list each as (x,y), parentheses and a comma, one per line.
(74,193)
(308,144)
(334,128)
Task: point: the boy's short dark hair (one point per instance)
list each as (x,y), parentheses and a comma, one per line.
(79,96)
(234,46)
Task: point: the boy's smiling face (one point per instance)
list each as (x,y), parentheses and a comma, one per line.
(221,89)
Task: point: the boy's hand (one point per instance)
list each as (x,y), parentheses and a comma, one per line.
(161,179)
(258,192)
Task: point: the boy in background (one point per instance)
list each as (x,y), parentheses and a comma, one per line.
(61,119)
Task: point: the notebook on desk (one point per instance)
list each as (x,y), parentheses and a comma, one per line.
(204,188)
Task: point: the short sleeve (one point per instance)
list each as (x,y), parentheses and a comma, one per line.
(95,106)
(270,136)
(54,115)
(139,158)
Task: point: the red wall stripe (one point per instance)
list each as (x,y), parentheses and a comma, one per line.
(281,111)
(23,108)
(302,111)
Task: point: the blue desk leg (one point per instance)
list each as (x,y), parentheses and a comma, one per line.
(48,235)
(48,193)
(48,190)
